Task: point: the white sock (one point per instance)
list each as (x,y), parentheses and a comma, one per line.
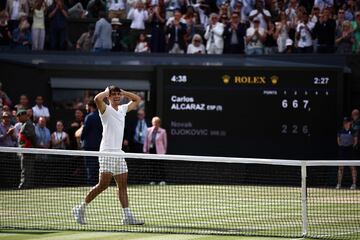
(127,212)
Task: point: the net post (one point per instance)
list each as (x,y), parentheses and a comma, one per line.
(304,199)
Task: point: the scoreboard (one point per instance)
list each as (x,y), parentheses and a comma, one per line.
(251,112)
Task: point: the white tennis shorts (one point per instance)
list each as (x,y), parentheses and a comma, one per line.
(114,165)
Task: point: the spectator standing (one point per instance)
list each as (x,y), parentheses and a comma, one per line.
(234,34)
(43,137)
(281,33)
(345,40)
(84,43)
(117,9)
(59,138)
(270,45)
(156,143)
(74,127)
(137,132)
(142,45)
(91,137)
(255,37)
(177,34)
(8,133)
(303,35)
(157,25)
(58,15)
(324,31)
(347,140)
(39,110)
(117,36)
(339,21)
(26,139)
(356,32)
(196,46)
(291,10)
(38,26)
(138,15)
(355,115)
(15,9)
(102,35)
(323,4)
(260,13)
(21,36)
(214,35)
(94,7)
(4,98)
(23,103)
(5,35)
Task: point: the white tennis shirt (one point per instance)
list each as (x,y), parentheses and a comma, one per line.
(113,123)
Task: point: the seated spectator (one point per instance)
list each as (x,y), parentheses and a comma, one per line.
(274,10)
(23,103)
(243,7)
(270,45)
(157,26)
(84,43)
(102,41)
(176,31)
(345,40)
(255,38)
(356,32)
(214,35)
(260,13)
(289,46)
(59,138)
(138,15)
(117,36)
(303,35)
(234,34)
(94,7)
(39,110)
(324,31)
(43,137)
(142,45)
(349,11)
(355,116)
(196,46)
(117,9)
(8,133)
(281,33)
(291,10)
(21,36)
(38,26)
(58,20)
(5,35)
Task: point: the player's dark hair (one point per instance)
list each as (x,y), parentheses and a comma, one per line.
(113,88)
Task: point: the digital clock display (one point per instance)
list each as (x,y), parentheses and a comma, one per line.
(251,112)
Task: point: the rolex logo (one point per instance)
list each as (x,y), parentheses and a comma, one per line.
(226,79)
(274,79)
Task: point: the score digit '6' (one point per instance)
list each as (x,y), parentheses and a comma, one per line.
(294,104)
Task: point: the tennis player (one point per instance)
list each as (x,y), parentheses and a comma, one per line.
(113,121)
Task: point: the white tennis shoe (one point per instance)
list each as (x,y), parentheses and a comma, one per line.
(132,221)
(79,214)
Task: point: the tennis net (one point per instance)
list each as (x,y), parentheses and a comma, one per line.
(181,194)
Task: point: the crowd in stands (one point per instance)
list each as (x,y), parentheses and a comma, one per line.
(185,26)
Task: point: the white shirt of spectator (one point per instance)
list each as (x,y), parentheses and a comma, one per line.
(113,123)
(15,10)
(192,49)
(138,18)
(142,47)
(255,42)
(40,112)
(291,13)
(305,35)
(116,5)
(323,4)
(261,17)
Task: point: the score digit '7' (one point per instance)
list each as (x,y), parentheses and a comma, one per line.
(295,103)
